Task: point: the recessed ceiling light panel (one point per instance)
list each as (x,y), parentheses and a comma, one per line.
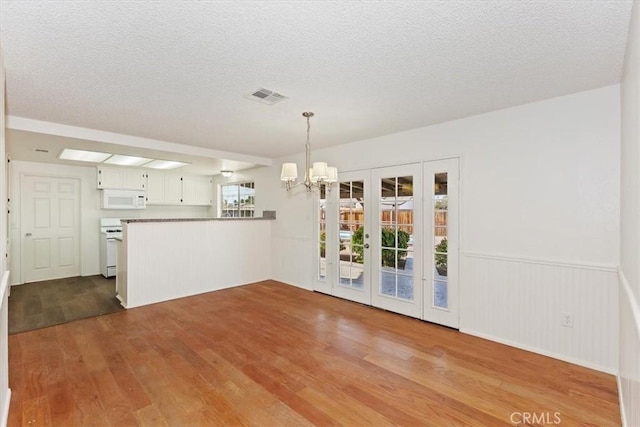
(83,156)
(122,160)
(165,164)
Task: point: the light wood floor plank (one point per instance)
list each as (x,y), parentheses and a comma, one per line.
(268,354)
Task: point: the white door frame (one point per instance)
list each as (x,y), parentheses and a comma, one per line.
(324,284)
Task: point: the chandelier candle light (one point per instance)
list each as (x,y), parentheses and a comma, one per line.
(314,176)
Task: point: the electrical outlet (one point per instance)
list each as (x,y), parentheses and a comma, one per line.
(567,319)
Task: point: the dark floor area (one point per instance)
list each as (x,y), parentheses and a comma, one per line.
(51,302)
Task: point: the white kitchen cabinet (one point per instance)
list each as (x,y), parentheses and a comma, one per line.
(155,188)
(197,190)
(172,189)
(164,189)
(121,178)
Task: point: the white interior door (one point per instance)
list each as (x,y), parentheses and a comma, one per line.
(397,240)
(441,255)
(50,226)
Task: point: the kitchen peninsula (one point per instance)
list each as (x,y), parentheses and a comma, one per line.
(164,259)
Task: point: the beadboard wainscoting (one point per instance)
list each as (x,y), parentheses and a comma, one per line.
(521,302)
(293,261)
(168,260)
(5,392)
(629,376)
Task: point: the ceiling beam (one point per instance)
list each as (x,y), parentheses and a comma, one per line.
(50,128)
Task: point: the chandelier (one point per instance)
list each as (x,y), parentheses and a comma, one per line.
(314,176)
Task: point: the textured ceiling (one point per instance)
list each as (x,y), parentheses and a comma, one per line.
(178,70)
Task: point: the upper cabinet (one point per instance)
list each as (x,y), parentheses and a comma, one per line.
(163,188)
(121,178)
(172,189)
(197,190)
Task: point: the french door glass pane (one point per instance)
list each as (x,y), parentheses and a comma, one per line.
(440,294)
(440,270)
(322,232)
(351,234)
(440,242)
(388,283)
(396,229)
(405,262)
(405,286)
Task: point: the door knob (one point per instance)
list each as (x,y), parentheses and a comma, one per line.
(28,234)
(366,235)
(366,246)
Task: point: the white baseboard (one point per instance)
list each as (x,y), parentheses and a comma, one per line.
(543,352)
(5,414)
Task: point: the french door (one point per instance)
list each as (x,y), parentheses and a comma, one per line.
(441,217)
(383,236)
(396,268)
(353,243)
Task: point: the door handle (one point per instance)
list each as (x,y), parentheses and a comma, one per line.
(28,234)
(366,246)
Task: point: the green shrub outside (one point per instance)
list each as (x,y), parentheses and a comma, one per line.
(388,239)
(323,244)
(441,259)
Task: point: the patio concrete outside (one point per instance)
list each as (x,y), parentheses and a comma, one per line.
(393,283)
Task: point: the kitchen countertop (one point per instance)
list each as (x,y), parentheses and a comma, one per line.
(265,215)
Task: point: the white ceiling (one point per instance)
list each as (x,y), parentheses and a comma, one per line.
(178,71)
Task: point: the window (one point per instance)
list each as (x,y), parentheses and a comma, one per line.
(238,200)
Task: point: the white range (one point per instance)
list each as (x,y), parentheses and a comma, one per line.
(110,229)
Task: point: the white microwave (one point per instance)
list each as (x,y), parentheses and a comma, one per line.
(123,199)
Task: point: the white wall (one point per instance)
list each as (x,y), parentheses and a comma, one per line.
(629,376)
(89,216)
(167,260)
(539,187)
(5,392)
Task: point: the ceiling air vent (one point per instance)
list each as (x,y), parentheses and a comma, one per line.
(40,150)
(266,96)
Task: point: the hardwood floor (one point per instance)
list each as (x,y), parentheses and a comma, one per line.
(269,354)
